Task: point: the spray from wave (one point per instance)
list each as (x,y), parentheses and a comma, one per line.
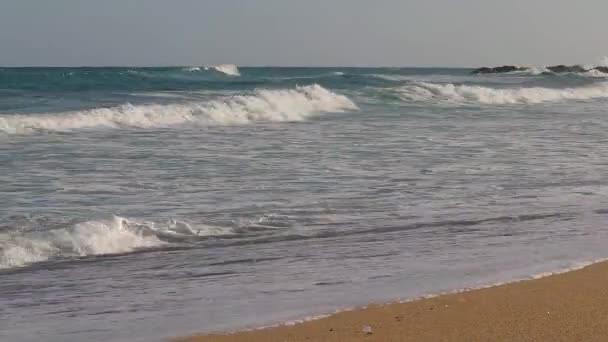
(228,69)
(263,106)
(115,236)
(459,94)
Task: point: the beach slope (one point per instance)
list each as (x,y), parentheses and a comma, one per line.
(572,306)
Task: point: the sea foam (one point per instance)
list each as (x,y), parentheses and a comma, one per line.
(97,237)
(88,238)
(263,106)
(451,93)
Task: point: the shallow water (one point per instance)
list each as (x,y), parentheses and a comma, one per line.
(140,204)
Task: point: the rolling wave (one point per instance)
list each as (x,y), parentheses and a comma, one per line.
(227,69)
(115,236)
(263,106)
(541,71)
(192,69)
(462,94)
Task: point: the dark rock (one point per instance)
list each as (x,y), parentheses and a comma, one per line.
(499,70)
(484,70)
(603,69)
(558,69)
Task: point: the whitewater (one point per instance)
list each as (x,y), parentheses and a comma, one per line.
(264,105)
(189,199)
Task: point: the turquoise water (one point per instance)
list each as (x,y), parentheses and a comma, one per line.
(146,203)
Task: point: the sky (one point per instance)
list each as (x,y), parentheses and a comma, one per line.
(458,33)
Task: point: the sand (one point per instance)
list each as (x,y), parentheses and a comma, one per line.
(571,306)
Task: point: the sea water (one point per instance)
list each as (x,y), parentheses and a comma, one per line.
(138,204)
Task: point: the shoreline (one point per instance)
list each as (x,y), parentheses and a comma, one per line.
(565,305)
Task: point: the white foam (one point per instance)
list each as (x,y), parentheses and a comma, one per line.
(601,62)
(228,69)
(263,106)
(192,69)
(595,73)
(88,238)
(114,236)
(99,237)
(307,319)
(533,71)
(176,228)
(451,93)
(16,251)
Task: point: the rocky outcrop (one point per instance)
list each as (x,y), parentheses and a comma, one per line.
(603,69)
(560,69)
(499,70)
(557,69)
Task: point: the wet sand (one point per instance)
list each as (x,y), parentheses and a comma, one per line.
(572,306)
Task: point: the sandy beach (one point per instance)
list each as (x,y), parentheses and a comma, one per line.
(571,306)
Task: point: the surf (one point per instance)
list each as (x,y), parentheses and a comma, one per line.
(463,93)
(264,105)
(226,69)
(117,235)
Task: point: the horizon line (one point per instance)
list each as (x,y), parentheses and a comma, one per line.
(239,66)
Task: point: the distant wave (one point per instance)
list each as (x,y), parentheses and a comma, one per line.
(192,69)
(228,69)
(451,93)
(536,71)
(115,236)
(532,71)
(595,73)
(602,62)
(283,105)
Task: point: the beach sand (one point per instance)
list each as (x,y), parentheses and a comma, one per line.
(572,306)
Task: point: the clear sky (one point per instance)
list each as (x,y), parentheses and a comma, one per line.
(302,32)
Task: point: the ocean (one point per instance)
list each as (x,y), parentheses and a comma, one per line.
(140,204)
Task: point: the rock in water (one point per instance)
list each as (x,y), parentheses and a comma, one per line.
(559,69)
(603,69)
(499,70)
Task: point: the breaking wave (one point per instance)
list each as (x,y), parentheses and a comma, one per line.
(192,69)
(601,62)
(228,69)
(263,106)
(115,236)
(451,93)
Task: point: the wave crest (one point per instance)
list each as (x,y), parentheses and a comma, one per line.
(228,69)
(264,106)
(115,236)
(451,93)
(192,69)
